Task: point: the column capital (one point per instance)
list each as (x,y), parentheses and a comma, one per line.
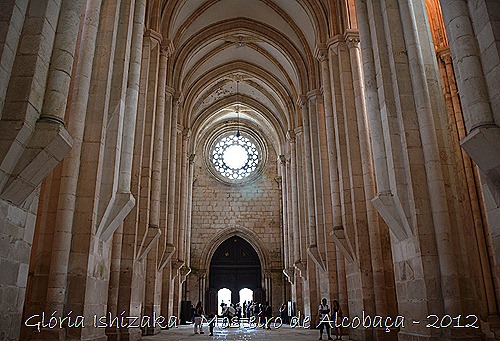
(290,136)
(191,158)
(311,95)
(282,160)
(321,52)
(153,36)
(186,133)
(351,38)
(302,101)
(178,98)
(169,91)
(289,273)
(444,54)
(334,41)
(177,264)
(180,128)
(167,47)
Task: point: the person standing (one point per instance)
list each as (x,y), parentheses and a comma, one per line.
(284,313)
(337,319)
(211,324)
(192,313)
(268,314)
(324,310)
(197,319)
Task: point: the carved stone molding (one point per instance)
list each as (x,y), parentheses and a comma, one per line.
(321,52)
(352,38)
(153,36)
(167,47)
(302,101)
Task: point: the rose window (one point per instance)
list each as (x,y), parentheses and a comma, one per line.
(235,156)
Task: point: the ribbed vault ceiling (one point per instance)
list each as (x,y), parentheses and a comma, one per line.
(266,46)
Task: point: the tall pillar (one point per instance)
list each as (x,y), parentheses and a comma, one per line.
(132,265)
(32,40)
(284,209)
(154,274)
(189,209)
(88,266)
(172,170)
(84,54)
(294,198)
(380,252)
(425,244)
(184,174)
(473,33)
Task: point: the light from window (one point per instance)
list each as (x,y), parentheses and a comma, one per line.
(235,157)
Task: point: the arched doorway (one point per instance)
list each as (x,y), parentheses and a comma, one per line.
(235,265)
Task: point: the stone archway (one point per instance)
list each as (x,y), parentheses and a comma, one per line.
(234,265)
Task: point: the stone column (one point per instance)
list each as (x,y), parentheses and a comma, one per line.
(166,250)
(132,98)
(303,226)
(312,244)
(387,201)
(165,290)
(288,270)
(116,200)
(337,231)
(471,182)
(342,282)
(147,232)
(57,280)
(474,43)
(476,67)
(20,125)
(172,170)
(466,54)
(294,205)
(284,209)
(183,199)
(114,282)
(63,56)
(189,209)
(422,74)
(88,266)
(178,185)
(154,218)
(13,16)
(154,274)
(321,186)
(31,49)
(132,271)
(383,277)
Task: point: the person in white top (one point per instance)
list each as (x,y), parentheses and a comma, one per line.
(324,311)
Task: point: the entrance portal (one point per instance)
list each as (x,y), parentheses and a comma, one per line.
(235,265)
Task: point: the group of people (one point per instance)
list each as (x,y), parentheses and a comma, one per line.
(265,311)
(326,315)
(230,310)
(256,309)
(248,310)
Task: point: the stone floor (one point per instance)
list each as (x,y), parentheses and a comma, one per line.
(241,334)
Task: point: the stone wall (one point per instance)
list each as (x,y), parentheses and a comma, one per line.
(254,206)
(17,226)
